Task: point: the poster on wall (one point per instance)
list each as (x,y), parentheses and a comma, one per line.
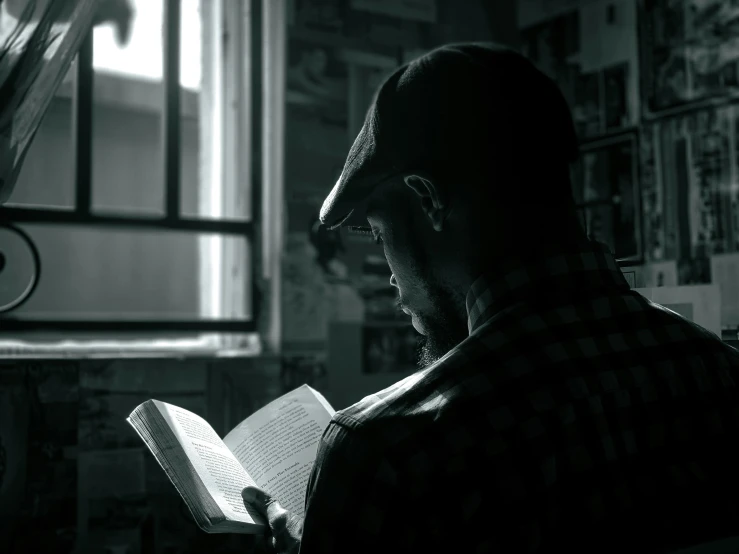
(651,194)
(711,181)
(366,75)
(606,186)
(317,81)
(690,199)
(591,53)
(690,52)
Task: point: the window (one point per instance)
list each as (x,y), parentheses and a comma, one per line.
(142,56)
(144,222)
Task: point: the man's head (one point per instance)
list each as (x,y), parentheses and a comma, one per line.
(463,159)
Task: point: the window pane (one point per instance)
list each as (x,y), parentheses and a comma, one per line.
(141,56)
(47,175)
(100,273)
(127,119)
(190,165)
(191,44)
(127,154)
(216,161)
(191,116)
(128,150)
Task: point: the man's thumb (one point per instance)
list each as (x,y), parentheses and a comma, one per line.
(252,494)
(261,500)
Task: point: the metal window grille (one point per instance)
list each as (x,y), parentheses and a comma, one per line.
(173,220)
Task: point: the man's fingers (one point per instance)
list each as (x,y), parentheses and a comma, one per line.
(284,528)
(276,514)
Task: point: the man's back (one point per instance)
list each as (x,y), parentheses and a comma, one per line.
(577,417)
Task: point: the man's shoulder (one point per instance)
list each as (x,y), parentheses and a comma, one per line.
(387,404)
(409,404)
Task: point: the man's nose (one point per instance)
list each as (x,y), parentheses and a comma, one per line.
(393,282)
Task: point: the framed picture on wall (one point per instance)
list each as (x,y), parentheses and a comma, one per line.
(367,71)
(688,175)
(599,83)
(689,51)
(606,190)
(317,81)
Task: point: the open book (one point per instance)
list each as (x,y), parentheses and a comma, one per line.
(273,449)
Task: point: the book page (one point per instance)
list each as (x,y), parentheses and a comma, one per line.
(278,444)
(221,473)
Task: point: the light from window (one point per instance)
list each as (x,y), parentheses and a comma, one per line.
(142,57)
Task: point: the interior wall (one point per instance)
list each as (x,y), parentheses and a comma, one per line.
(325,323)
(77,478)
(479,20)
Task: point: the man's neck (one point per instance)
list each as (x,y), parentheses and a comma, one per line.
(518,254)
(523,252)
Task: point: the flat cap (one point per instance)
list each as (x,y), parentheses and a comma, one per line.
(462,105)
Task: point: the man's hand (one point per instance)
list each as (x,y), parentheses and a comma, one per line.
(285,529)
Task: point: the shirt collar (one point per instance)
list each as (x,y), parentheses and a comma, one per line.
(573,270)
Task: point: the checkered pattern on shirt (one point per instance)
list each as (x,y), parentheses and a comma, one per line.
(577,417)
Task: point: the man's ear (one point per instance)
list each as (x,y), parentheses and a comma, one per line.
(434,199)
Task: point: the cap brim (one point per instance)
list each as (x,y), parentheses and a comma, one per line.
(346,204)
(356,217)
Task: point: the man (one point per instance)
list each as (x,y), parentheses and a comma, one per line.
(558,411)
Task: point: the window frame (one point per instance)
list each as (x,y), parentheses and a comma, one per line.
(83,215)
(630,138)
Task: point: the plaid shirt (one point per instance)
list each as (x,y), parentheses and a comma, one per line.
(577,416)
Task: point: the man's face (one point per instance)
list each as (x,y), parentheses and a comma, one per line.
(418,266)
